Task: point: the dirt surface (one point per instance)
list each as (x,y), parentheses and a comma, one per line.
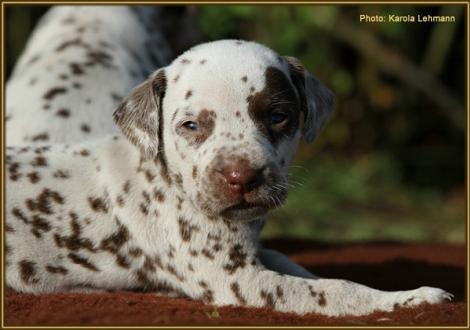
(384,266)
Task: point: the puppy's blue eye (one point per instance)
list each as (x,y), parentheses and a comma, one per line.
(191,125)
(278,118)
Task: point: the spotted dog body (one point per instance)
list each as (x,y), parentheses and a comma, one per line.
(78,64)
(177,200)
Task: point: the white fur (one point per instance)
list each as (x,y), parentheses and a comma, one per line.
(123,221)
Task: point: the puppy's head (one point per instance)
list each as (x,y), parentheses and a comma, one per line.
(226,118)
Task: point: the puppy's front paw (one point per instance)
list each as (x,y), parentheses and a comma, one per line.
(422,295)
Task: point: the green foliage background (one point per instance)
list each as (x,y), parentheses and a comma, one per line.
(390,164)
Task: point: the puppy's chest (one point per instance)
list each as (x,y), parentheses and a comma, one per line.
(178,242)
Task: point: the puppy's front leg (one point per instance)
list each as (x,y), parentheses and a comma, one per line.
(255,286)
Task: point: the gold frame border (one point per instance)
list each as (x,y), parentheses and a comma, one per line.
(242,2)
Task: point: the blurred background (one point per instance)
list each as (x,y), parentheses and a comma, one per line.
(390,164)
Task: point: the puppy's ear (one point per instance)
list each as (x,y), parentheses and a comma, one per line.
(139,114)
(317,100)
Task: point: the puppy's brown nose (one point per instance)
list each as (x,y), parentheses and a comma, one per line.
(242,178)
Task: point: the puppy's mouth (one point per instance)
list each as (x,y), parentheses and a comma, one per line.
(251,207)
(246,211)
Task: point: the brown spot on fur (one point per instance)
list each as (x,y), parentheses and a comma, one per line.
(186,229)
(230,225)
(173,272)
(206,253)
(236,291)
(64,113)
(158,195)
(56,270)
(39,150)
(127,187)
(99,58)
(208,296)
(268,297)
(114,242)
(70,43)
(61,174)
(85,128)
(13,171)
(194,172)
(84,152)
(53,92)
(312,292)
(120,200)
(39,161)
(122,261)
(79,260)
(244,79)
(33,177)
(17,213)
(237,259)
(144,209)
(144,280)
(135,252)
(179,203)
(76,69)
(39,224)
(27,271)
(189,93)
(178,179)
(149,175)
(322,300)
(9,228)
(42,203)
(157,261)
(149,265)
(40,137)
(97,204)
(74,242)
(279,292)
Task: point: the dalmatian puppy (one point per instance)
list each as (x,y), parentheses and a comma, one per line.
(80,59)
(176,200)
(67,85)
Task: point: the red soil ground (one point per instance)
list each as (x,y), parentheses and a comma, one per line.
(385,266)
